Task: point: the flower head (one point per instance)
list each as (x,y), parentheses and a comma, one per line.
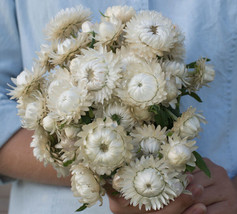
(86,185)
(66,23)
(150,34)
(146,182)
(104,146)
(148,139)
(178,152)
(31,109)
(144,83)
(67,102)
(123,13)
(203,74)
(188,125)
(100,70)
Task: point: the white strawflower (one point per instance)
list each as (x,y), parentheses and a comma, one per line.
(67,146)
(148,139)
(123,13)
(71,131)
(177,70)
(66,23)
(104,146)
(172,93)
(69,48)
(143,85)
(86,185)
(40,143)
(26,81)
(108,32)
(49,124)
(147,182)
(100,70)
(67,102)
(178,152)
(141,114)
(203,74)
(44,59)
(44,151)
(87,27)
(120,113)
(31,109)
(150,34)
(188,125)
(178,52)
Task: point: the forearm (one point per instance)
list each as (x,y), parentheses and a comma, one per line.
(17,161)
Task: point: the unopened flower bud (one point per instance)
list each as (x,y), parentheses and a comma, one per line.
(209,74)
(107,30)
(179,154)
(48,123)
(71,131)
(190,128)
(87,27)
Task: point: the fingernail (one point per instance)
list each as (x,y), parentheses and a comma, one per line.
(201,209)
(197,191)
(189,178)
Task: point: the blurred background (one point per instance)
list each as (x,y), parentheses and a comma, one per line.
(4,198)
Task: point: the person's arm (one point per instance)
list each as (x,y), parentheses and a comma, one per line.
(17,161)
(16,157)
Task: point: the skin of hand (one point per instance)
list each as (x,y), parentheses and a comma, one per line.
(17,161)
(220,192)
(119,205)
(215,195)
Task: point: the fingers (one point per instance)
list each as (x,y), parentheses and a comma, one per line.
(218,208)
(183,201)
(212,195)
(201,178)
(120,205)
(196,209)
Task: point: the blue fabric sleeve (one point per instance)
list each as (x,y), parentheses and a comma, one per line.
(10,66)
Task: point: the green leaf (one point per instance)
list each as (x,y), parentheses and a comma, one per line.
(103,14)
(191,65)
(116,118)
(93,40)
(83,207)
(195,96)
(85,119)
(189,168)
(154,108)
(169,134)
(115,193)
(67,163)
(91,114)
(201,164)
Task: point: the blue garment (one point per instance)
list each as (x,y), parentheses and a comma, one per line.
(211,31)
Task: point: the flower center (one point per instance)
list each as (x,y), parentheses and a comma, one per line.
(142,87)
(153,29)
(90,74)
(104,147)
(149,182)
(68,101)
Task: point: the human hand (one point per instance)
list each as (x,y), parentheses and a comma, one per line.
(219,195)
(119,205)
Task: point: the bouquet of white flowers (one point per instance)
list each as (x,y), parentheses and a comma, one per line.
(103,100)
